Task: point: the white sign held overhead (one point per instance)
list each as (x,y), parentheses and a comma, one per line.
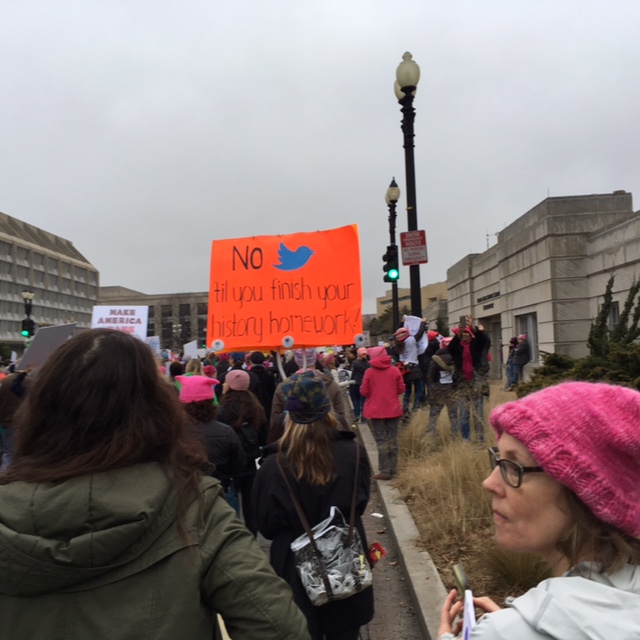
(414,248)
(131,320)
(191,349)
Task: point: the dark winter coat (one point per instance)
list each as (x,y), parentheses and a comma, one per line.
(224,449)
(278,521)
(479,347)
(266,387)
(358,368)
(249,438)
(521,354)
(424,359)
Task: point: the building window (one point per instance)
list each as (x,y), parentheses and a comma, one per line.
(151,311)
(202,308)
(23,255)
(528,324)
(166,311)
(614,316)
(23,274)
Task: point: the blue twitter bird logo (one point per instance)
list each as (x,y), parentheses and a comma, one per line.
(292,260)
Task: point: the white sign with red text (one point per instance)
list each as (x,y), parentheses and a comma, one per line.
(128,319)
(413,245)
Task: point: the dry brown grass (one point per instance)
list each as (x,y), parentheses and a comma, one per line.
(441,481)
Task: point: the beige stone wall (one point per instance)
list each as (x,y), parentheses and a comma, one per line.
(554,261)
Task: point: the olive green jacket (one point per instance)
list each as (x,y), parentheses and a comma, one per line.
(100,557)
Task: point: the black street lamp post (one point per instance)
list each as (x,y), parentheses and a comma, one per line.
(177,336)
(28,326)
(27,297)
(391,198)
(407,77)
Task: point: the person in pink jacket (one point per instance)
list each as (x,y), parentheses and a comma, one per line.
(382,386)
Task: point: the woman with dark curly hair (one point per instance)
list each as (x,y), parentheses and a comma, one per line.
(108,526)
(241,409)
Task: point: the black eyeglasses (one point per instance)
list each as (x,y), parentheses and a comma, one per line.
(512,472)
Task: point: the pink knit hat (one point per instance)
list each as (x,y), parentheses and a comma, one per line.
(587,437)
(238,380)
(196,388)
(362,352)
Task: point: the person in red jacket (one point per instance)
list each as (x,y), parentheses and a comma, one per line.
(382,386)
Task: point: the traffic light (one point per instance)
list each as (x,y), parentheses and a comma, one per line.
(28,328)
(390,267)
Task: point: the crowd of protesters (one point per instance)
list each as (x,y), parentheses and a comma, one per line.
(132,490)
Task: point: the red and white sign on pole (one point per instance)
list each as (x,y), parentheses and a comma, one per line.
(414,248)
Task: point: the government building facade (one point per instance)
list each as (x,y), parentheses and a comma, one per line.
(63,282)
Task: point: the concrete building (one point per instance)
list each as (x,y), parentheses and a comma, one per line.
(547,274)
(63,281)
(177,318)
(433,297)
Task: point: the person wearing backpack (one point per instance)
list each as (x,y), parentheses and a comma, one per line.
(316,461)
(241,409)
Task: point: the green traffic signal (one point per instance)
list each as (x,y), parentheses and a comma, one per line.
(390,267)
(28,328)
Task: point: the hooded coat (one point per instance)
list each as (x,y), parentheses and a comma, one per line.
(100,556)
(381,386)
(597,607)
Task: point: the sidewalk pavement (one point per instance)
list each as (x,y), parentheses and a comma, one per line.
(425,588)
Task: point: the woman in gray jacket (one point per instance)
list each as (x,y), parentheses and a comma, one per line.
(565,486)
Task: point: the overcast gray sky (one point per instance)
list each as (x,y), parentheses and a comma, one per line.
(143,129)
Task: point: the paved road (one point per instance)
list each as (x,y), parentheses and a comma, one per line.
(394,615)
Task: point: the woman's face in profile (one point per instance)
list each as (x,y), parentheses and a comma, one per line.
(533,517)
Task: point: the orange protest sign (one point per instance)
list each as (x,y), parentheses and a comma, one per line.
(301,289)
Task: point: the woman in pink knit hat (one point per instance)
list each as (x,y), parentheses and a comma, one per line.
(565,485)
